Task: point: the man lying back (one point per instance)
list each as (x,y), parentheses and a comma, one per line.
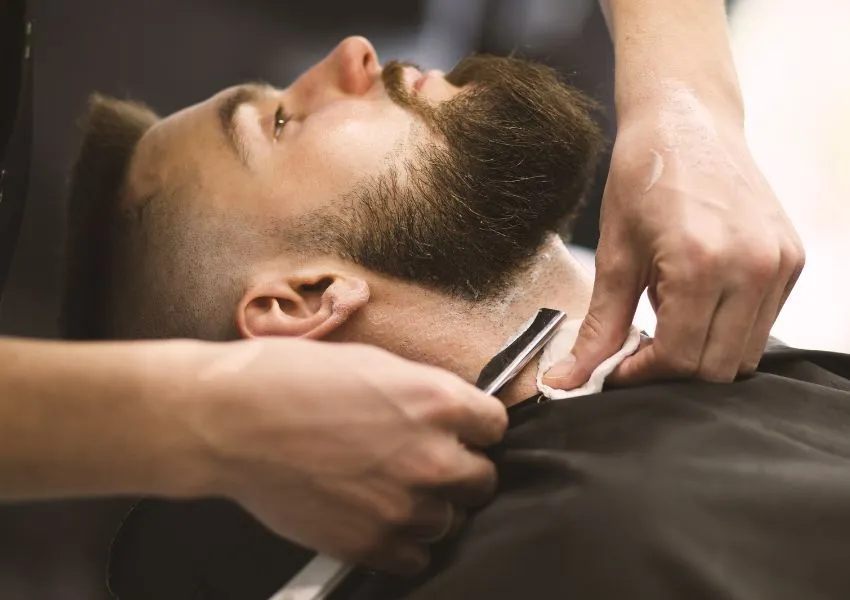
(415,211)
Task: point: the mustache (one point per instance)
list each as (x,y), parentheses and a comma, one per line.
(468,70)
(493,72)
(392,74)
(392,77)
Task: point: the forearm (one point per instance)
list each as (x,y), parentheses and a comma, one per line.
(87,420)
(662,45)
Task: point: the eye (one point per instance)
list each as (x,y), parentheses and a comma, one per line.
(280,121)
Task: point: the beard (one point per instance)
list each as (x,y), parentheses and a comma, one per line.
(513,156)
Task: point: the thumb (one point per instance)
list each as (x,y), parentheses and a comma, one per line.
(616,292)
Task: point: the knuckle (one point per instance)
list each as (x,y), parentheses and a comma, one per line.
(396,515)
(678,364)
(703,258)
(799,265)
(796,249)
(800,257)
(434,395)
(448,404)
(437,467)
(762,266)
(796,258)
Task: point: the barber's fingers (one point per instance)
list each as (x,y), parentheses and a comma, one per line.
(616,292)
(435,519)
(458,521)
(473,417)
(465,478)
(401,556)
(407,552)
(762,324)
(787,278)
(730,331)
(686,307)
(629,371)
(796,262)
(757,341)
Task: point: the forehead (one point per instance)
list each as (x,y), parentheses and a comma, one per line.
(187,148)
(340,142)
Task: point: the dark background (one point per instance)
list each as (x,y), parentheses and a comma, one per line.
(171,53)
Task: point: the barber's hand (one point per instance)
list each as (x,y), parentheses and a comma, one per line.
(688,214)
(346,449)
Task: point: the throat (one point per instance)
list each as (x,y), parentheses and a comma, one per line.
(463,337)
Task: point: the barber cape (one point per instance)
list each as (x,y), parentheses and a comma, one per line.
(682,490)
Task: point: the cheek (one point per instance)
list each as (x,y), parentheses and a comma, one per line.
(336,148)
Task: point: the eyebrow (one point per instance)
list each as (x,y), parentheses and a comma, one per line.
(244,94)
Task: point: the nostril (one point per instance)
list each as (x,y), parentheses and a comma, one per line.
(356,64)
(370,63)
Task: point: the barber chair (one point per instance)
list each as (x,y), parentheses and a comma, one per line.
(15,125)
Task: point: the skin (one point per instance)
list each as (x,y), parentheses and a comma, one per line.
(705,232)
(336,108)
(188,419)
(345,128)
(216,425)
(60,399)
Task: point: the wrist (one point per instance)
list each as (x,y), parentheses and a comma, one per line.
(176,394)
(212,410)
(664,45)
(676,109)
(684,96)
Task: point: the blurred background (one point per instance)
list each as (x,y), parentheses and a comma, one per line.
(793,59)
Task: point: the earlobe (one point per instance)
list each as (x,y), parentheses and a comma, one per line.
(308,305)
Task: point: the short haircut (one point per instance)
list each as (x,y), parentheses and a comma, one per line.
(111,131)
(519,151)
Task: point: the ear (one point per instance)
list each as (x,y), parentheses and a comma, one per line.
(308,304)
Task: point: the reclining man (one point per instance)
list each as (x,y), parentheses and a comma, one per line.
(415,212)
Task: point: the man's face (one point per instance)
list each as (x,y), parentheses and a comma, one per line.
(281,153)
(450,182)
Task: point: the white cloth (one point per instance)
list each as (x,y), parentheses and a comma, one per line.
(559,347)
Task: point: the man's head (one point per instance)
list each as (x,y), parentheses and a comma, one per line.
(265,211)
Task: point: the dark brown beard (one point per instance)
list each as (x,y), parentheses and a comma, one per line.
(520,148)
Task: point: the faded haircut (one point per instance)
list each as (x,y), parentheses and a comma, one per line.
(147,267)
(519,152)
(111,131)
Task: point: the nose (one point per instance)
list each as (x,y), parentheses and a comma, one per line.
(350,69)
(355,65)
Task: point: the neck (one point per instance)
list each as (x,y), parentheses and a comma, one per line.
(462,337)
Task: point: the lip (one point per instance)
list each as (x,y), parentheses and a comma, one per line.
(419,83)
(412,77)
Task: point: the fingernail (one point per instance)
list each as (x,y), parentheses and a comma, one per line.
(563,369)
